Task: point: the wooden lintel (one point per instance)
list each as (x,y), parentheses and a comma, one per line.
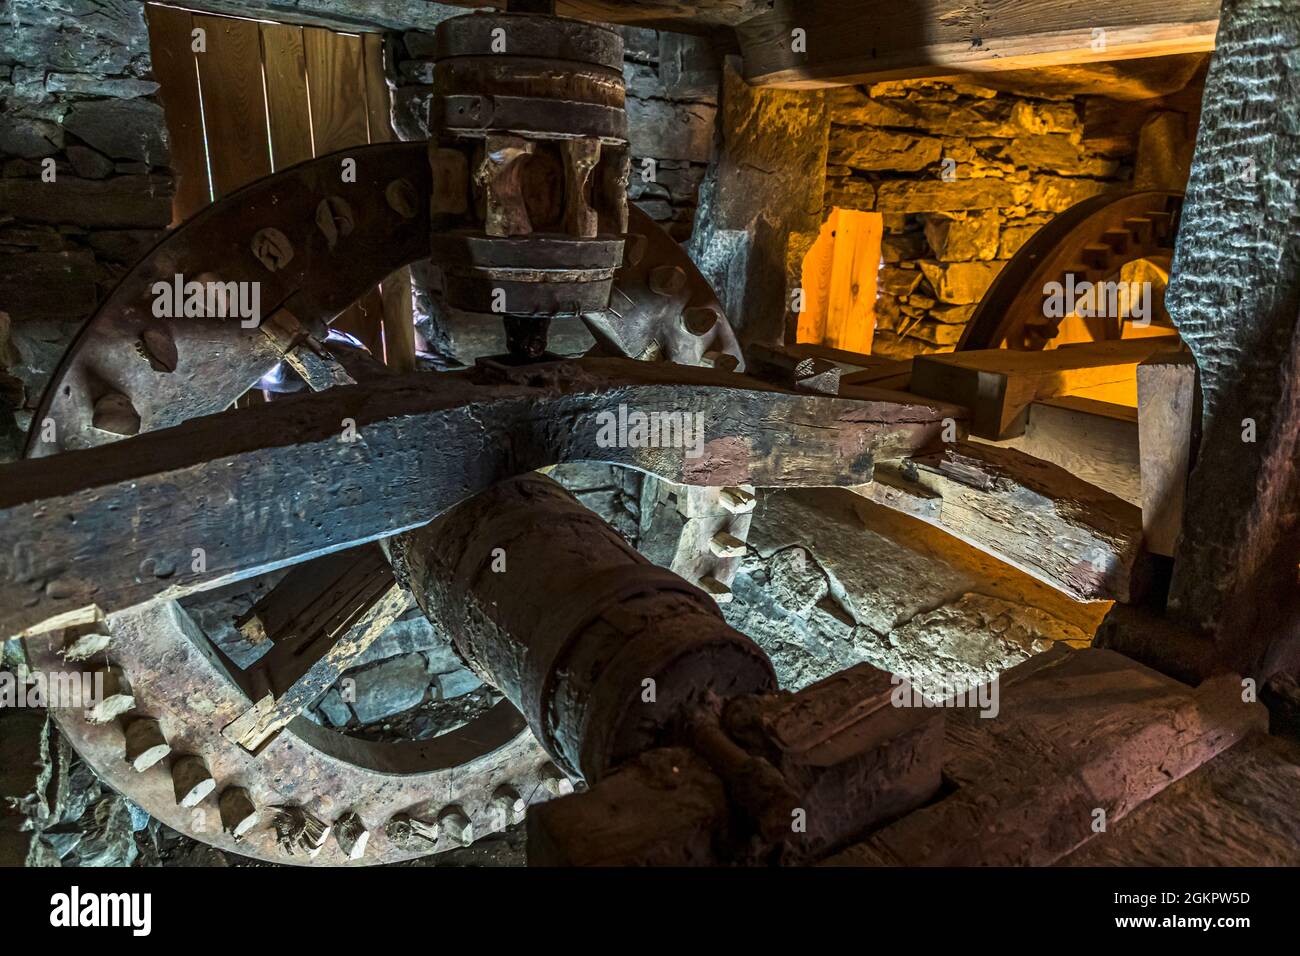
(843,43)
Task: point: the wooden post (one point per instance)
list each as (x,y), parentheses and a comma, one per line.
(1166,419)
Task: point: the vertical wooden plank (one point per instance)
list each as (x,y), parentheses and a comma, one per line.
(395,291)
(399,321)
(378,100)
(815,280)
(234,108)
(1166,388)
(337,89)
(174,69)
(288,111)
(850,316)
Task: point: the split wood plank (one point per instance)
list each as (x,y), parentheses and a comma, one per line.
(234,103)
(174,67)
(286,94)
(998,385)
(1167,419)
(320,639)
(1029,513)
(861,42)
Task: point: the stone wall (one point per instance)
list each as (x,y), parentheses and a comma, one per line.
(75,89)
(963,176)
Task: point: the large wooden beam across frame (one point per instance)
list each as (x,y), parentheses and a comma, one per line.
(225,497)
(863,42)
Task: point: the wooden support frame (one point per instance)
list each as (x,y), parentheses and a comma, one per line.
(225,497)
(998,385)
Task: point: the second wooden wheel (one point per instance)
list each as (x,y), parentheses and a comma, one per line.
(1121,239)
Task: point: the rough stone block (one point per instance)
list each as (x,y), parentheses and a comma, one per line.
(122,129)
(389,687)
(962,240)
(960,283)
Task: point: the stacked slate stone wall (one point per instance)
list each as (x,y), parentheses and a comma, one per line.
(963,176)
(85,189)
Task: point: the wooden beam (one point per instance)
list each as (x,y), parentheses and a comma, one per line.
(998,385)
(1076,731)
(225,497)
(864,42)
(1168,416)
(1032,514)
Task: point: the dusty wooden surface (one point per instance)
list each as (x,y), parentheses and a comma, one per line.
(1232,811)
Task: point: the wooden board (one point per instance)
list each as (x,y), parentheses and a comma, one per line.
(815,280)
(337,89)
(397,312)
(864,42)
(1092,440)
(850,312)
(175,70)
(839,282)
(398,321)
(1167,417)
(286,94)
(340,118)
(234,105)
(378,101)
(998,385)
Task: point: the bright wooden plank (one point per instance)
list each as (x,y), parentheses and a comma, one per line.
(174,69)
(815,282)
(234,104)
(850,312)
(286,94)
